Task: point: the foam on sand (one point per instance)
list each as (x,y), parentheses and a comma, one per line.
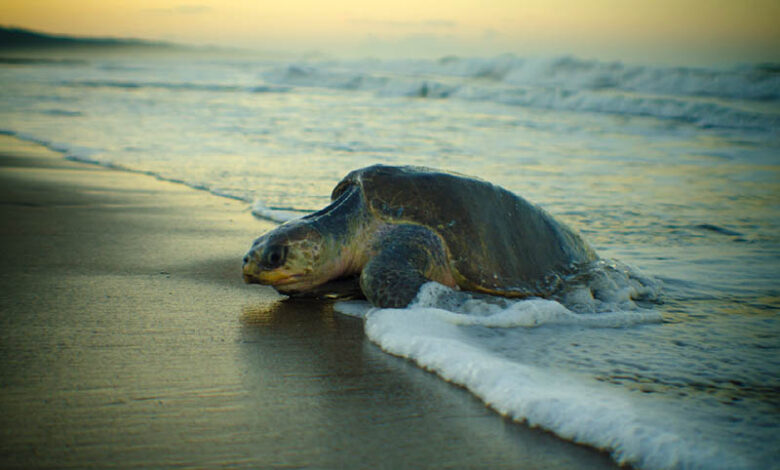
(463,344)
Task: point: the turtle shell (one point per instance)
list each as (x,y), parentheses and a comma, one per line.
(497,242)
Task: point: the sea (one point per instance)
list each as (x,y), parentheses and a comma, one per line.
(672,173)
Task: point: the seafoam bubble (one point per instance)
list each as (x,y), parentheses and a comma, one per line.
(467,308)
(608,285)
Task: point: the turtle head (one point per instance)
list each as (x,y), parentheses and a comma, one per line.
(291,258)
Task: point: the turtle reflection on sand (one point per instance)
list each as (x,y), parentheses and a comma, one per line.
(400,227)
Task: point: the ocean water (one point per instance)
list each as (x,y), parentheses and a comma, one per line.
(674,172)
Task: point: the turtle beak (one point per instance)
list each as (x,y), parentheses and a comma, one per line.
(253,267)
(267,278)
(250,268)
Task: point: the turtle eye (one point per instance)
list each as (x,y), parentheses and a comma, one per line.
(275,256)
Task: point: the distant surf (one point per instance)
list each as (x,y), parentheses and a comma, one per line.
(700,96)
(710,98)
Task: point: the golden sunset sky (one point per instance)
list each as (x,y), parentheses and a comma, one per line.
(672,31)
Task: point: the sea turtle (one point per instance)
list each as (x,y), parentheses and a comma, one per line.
(400,227)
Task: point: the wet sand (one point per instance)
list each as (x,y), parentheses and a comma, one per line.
(128,339)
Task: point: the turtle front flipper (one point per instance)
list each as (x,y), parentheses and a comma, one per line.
(407,257)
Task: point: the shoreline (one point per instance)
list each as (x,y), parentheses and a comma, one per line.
(129,339)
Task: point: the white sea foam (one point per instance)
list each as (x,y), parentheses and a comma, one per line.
(575,408)
(477,342)
(527,313)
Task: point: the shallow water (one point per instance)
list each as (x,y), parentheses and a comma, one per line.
(672,170)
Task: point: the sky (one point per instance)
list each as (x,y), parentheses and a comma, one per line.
(659,31)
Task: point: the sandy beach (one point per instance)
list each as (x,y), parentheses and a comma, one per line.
(129,340)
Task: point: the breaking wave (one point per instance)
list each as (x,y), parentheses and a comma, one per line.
(705,97)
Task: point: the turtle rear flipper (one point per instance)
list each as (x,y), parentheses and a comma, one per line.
(407,257)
